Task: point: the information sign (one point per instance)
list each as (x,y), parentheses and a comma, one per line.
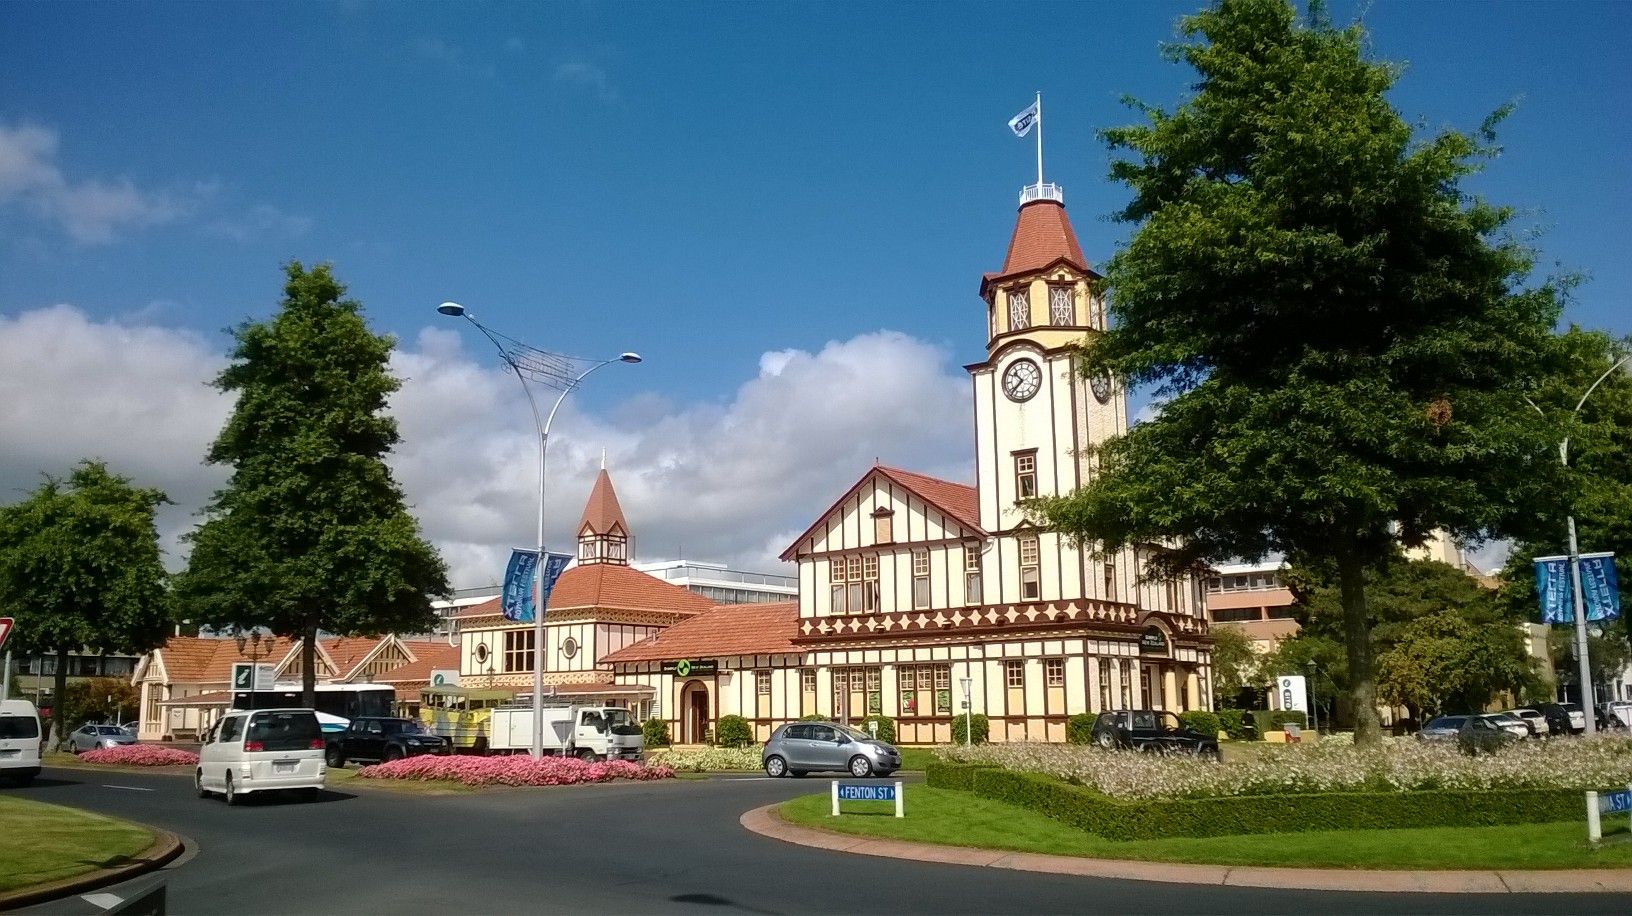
(869,791)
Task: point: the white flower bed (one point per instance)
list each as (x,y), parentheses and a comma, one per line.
(1569,763)
(714,758)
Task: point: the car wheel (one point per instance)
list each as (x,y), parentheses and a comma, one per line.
(335,757)
(232,796)
(860,767)
(393,753)
(198,784)
(1106,740)
(775,767)
(1207,752)
(587,756)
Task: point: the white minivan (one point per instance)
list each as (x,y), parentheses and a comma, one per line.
(262,750)
(19,741)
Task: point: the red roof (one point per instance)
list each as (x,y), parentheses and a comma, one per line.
(959,501)
(728,629)
(347,652)
(1042,236)
(197,659)
(602,514)
(609,585)
(428,656)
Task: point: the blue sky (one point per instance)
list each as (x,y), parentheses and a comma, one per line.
(704,183)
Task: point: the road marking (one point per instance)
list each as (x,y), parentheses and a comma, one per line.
(127,788)
(105,901)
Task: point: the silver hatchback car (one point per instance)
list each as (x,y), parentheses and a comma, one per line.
(807,747)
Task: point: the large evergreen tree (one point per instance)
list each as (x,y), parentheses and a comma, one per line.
(1343,336)
(80,570)
(310,533)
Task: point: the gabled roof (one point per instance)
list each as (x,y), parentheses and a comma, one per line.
(429,655)
(1042,237)
(958,501)
(346,653)
(602,514)
(202,660)
(606,585)
(727,629)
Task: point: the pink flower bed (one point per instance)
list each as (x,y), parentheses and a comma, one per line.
(141,755)
(515,770)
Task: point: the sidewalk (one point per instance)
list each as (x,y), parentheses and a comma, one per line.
(765,822)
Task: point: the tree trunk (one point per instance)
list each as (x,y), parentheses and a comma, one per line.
(59,695)
(308,666)
(1351,577)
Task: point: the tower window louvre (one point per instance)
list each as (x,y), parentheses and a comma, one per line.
(1019,310)
(1062,306)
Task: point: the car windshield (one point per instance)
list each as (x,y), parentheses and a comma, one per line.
(1448,722)
(109,730)
(286,731)
(403,727)
(617,717)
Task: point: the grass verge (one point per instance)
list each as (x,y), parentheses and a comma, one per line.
(951,818)
(43,843)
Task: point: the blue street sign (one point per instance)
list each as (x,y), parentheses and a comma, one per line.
(859,792)
(1615,802)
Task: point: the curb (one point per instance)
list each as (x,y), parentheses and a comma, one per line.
(765,822)
(165,849)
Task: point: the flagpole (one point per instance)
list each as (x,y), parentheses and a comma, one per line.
(1039,142)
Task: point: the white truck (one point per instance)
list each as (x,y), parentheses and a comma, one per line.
(585,732)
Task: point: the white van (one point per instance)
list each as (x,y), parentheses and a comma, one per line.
(19,741)
(261,750)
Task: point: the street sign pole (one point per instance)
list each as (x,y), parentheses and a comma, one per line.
(6,623)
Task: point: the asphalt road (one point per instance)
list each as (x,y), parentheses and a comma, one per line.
(673,846)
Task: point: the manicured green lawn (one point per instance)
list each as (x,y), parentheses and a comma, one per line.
(41,843)
(916,758)
(960,819)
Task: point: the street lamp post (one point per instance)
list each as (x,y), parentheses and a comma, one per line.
(1314,720)
(1584,670)
(968,712)
(563,374)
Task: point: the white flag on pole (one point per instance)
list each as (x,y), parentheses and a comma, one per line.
(1023,122)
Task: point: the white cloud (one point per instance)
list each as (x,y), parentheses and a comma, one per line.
(95,211)
(589,76)
(732,482)
(259,221)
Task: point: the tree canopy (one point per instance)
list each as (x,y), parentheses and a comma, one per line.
(80,570)
(1343,336)
(311,531)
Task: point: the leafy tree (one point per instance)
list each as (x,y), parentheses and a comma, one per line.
(101,699)
(80,570)
(1235,664)
(1446,662)
(1608,654)
(1343,337)
(311,531)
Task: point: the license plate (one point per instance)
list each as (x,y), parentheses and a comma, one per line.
(284,767)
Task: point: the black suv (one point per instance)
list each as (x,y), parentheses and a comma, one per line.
(381,739)
(1151,730)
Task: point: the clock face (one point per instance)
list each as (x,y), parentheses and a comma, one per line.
(1101,386)
(1022,379)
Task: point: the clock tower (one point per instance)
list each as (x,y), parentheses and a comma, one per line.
(1036,419)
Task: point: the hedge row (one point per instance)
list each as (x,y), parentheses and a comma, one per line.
(1118,819)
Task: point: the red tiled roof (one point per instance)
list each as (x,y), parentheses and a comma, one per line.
(609,585)
(428,656)
(959,500)
(196,659)
(1042,235)
(347,652)
(728,629)
(602,513)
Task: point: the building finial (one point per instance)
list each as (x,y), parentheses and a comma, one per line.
(603,459)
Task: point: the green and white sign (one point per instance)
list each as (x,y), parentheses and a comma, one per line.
(691,667)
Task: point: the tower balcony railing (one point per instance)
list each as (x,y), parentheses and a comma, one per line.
(1049,191)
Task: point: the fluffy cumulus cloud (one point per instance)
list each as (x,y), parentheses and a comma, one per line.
(729,482)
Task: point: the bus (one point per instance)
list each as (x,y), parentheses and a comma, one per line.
(336,704)
(463,715)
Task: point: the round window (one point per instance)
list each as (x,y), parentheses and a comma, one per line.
(481,653)
(569,647)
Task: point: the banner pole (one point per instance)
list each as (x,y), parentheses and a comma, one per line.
(1588,696)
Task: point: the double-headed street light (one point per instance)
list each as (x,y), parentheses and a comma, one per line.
(564,374)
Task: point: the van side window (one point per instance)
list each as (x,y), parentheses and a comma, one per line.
(231,728)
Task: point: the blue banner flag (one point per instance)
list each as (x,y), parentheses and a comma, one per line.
(554,563)
(517,599)
(1600,590)
(1553,588)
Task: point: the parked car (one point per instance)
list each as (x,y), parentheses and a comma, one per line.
(1513,725)
(1532,718)
(1480,734)
(19,741)
(1558,720)
(259,751)
(92,737)
(382,739)
(1578,719)
(1442,728)
(1151,730)
(1615,714)
(808,747)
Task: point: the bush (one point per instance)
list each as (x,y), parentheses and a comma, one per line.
(1273,720)
(976,726)
(1200,720)
(654,732)
(1118,819)
(816,718)
(886,727)
(1079,729)
(733,731)
(1233,722)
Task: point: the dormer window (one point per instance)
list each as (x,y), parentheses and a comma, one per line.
(1062,306)
(1019,310)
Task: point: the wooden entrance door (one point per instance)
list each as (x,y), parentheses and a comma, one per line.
(694,706)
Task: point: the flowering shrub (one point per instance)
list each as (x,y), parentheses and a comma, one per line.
(514,770)
(1580,763)
(714,758)
(142,755)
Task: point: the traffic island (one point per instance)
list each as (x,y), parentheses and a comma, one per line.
(51,851)
(957,828)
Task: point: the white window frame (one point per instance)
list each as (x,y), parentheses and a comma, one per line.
(1019,309)
(1062,306)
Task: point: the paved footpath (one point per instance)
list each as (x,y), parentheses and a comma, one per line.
(669,847)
